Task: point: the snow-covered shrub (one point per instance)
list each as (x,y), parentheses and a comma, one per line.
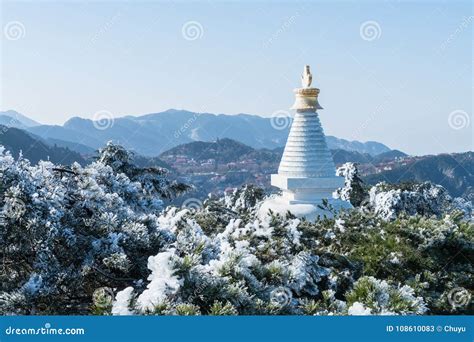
(152,179)
(244,198)
(97,239)
(290,266)
(163,281)
(67,231)
(353,189)
(371,296)
(239,270)
(388,201)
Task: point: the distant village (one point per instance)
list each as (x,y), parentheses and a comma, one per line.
(217,176)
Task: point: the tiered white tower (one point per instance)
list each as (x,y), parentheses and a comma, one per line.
(307,174)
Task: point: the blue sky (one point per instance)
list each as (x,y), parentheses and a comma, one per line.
(399,86)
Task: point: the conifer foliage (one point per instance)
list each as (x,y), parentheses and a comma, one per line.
(66,232)
(99,240)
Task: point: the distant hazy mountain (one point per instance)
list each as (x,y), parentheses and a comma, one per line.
(370,147)
(55,133)
(388,156)
(33,149)
(453,171)
(223,150)
(228,150)
(152,134)
(12,118)
(341,156)
(81,148)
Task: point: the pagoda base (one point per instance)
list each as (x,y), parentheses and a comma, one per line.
(309,210)
(306,190)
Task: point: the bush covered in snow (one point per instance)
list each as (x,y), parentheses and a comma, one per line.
(353,264)
(98,240)
(353,189)
(65,232)
(389,201)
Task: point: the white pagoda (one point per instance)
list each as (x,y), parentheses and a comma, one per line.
(306,174)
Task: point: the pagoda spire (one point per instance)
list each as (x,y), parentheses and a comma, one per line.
(306,78)
(306,153)
(306,174)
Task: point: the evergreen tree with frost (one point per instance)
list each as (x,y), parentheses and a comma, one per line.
(353,190)
(99,240)
(67,232)
(352,264)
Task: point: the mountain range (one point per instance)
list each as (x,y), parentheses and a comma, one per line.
(152,134)
(12,118)
(158,138)
(454,171)
(18,141)
(226,157)
(228,150)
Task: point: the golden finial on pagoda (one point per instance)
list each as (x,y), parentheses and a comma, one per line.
(306,97)
(306,78)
